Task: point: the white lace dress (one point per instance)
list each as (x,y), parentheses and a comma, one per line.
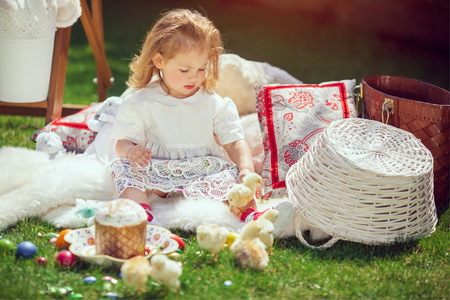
(180,135)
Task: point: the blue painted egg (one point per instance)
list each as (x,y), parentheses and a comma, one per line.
(26,250)
(90,279)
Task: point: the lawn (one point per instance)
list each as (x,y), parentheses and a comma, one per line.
(346,271)
(312,51)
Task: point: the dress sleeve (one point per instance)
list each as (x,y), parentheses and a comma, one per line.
(130,123)
(227,124)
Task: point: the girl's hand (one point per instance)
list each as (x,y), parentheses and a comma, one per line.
(139,156)
(242,174)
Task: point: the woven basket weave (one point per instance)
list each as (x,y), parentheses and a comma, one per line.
(364,181)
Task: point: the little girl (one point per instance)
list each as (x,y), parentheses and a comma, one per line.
(166,131)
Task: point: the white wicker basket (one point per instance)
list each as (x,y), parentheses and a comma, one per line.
(366,182)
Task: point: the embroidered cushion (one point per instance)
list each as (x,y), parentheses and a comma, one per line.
(73,130)
(291,118)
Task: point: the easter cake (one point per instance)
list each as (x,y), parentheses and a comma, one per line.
(120,229)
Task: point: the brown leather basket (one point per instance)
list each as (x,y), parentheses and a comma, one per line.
(420,108)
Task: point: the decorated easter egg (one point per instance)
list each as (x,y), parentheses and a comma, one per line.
(174,255)
(107,278)
(110,295)
(90,279)
(68,291)
(65,258)
(231,238)
(6,246)
(61,243)
(179,241)
(41,260)
(26,249)
(227,283)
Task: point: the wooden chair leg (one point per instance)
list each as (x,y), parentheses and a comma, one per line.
(95,39)
(97,18)
(58,75)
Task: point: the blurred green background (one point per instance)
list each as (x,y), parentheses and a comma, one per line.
(313,40)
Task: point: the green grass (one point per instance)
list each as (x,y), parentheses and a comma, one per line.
(410,270)
(310,51)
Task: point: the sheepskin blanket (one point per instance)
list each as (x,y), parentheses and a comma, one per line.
(33,184)
(174,212)
(67,190)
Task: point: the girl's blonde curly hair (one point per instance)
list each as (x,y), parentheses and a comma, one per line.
(177,31)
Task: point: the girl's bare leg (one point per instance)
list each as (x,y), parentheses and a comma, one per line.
(136,195)
(139,196)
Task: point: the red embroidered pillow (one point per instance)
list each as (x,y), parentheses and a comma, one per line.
(73,131)
(292,117)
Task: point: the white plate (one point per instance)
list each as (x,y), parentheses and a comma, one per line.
(82,242)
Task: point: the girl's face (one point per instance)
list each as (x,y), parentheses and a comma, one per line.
(184,73)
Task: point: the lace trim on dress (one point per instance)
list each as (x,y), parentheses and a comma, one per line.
(162,152)
(207,177)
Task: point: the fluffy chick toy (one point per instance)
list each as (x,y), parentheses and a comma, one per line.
(50,142)
(212,238)
(135,272)
(248,248)
(165,271)
(240,194)
(266,221)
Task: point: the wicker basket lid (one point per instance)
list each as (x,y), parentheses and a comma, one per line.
(364,181)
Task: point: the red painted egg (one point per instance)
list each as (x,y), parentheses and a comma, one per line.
(65,258)
(41,260)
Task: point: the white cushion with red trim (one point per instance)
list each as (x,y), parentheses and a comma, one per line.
(292,117)
(73,130)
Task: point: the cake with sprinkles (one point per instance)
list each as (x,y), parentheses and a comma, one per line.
(120,229)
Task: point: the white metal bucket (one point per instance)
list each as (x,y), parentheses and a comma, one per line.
(25,69)
(26,51)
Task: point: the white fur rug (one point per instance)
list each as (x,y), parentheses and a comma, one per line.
(174,212)
(31,184)
(67,190)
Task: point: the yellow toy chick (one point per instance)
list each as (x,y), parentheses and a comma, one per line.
(212,238)
(240,194)
(248,248)
(266,234)
(135,272)
(165,271)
